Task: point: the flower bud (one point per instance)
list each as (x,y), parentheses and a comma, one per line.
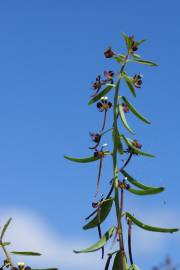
(109,53)
(125,108)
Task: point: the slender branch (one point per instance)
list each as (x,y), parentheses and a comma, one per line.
(126,163)
(99,228)
(110,191)
(99,176)
(108,262)
(100,235)
(129,242)
(104,132)
(104,121)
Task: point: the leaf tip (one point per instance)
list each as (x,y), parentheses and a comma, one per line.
(76,251)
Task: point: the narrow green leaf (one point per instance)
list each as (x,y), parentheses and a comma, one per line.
(136,150)
(120,58)
(140,42)
(148,227)
(149,191)
(82,160)
(133,110)
(129,84)
(101,94)
(26,253)
(144,62)
(135,182)
(123,118)
(5,228)
(116,264)
(101,243)
(135,55)
(127,40)
(5,244)
(103,213)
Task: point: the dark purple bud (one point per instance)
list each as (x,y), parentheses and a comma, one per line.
(134,46)
(109,74)
(97,84)
(109,53)
(125,108)
(95,137)
(137,80)
(137,144)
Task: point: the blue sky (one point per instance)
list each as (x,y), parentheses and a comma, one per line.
(50,53)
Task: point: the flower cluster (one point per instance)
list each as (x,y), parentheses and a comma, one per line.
(98,82)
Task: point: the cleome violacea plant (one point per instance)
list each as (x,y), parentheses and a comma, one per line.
(8,262)
(124,149)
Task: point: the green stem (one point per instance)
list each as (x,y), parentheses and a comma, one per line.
(118,205)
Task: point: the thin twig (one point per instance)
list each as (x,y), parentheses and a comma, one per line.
(99,176)
(129,242)
(126,163)
(110,191)
(108,262)
(100,235)
(104,121)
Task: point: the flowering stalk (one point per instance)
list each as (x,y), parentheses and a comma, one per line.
(122,146)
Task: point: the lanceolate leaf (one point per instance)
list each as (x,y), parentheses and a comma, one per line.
(148,227)
(120,58)
(5,228)
(136,150)
(135,55)
(144,62)
(101,216)
(149,191)
(129,84)
(135,182)
(116,264)
(5,244)
(133,110)
(82,160)
(26,253)
(127,40)
(141,41)
(101,94)
(123,118)
(101,243)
